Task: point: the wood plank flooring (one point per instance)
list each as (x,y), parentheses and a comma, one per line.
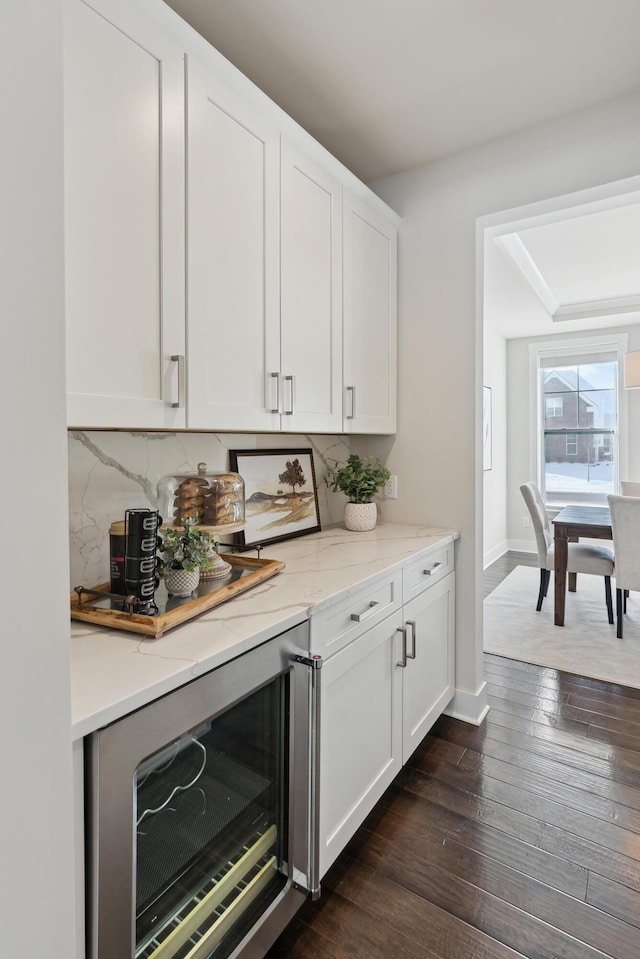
(519,838)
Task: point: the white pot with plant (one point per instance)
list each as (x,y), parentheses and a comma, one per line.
(360,479)
(184,551)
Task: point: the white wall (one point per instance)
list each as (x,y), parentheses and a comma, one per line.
(437,450)
(36,810)
(494,481)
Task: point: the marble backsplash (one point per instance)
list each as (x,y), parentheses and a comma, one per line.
(110,472)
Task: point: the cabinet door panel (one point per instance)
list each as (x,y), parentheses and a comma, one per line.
(428,679)
(361,733)
(311,288)
(370,295)
(233,321)
(124,216)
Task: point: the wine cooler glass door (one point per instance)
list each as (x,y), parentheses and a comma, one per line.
(199,830)
(211,830)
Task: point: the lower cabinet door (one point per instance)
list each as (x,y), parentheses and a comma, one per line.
(428,677)
(361,733)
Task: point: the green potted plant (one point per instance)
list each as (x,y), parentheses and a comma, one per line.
(360,479)
(184,551)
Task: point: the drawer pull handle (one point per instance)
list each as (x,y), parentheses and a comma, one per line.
(412,654)
(360,617)
(403,662)
(351,394)
(276,377)
(179,404)
(430,572)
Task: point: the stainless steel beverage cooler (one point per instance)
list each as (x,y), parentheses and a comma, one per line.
(202,812)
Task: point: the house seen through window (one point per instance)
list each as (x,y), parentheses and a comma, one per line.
(579,419)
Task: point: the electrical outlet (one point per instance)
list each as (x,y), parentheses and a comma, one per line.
(391,488)
(526,521)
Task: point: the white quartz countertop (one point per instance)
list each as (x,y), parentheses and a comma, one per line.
(115,672)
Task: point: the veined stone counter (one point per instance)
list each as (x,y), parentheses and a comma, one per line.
(115,672)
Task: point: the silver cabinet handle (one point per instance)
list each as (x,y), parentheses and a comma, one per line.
(315,665)
(351,394)
(412,623)
(290,379)
(360,617)
(179,359)
(430,572)
(276,376)
(403,662)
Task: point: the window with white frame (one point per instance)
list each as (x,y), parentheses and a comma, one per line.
(578,402)
(553,406)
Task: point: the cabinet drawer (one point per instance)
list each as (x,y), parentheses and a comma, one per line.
(332,629)
(425,571)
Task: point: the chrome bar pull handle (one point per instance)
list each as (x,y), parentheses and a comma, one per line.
(403,662)
(430,572)
(351,406)
(276,377)
(291,380)
(179,359)
(412,623)
(360,617)
(315,665)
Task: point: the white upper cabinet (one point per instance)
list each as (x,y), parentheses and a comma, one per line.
(310,360)
(124,218)
(370,297)
(205,250)
(233,265)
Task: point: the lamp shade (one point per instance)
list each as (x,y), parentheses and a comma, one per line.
(632,370)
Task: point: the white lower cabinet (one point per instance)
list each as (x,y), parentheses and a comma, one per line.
(383,687)
(361,733)
(428,677)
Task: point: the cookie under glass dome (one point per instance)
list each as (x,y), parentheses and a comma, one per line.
(215,501)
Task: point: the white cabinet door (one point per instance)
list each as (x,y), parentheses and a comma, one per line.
(310,359)
(233,264)
(428,677)
(370,319)
(361,733)
(124,218)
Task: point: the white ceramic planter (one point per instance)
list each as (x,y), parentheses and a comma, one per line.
(360,517)
(180,582)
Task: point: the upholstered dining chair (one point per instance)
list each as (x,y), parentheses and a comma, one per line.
(630,488)
(581,557)
(625,524)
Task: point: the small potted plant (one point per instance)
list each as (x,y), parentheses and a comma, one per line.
(360,479)
(184,551)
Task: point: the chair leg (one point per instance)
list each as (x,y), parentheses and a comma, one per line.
(619,613)
(543,588)
(626,597)
(573,582)
(547,577)
(607,593)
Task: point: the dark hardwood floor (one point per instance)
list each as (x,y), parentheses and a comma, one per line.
(517,838)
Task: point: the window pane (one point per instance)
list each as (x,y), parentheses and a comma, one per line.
(579,463)
(560,378)
(597,408)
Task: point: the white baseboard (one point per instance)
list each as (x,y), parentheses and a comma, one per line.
(495,553)
(469,707)
(523,546)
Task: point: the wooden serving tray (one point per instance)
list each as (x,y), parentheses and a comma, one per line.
(174,610)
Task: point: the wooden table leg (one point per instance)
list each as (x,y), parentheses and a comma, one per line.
(560,540)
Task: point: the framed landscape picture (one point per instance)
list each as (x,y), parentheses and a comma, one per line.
(281,498)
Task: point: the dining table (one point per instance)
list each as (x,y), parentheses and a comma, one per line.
(569,525)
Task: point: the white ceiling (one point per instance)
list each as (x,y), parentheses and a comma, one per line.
(386,85)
